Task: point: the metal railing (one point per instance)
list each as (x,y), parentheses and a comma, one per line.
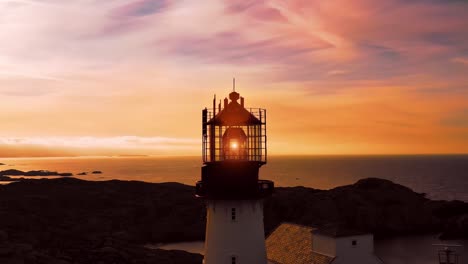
(255,148)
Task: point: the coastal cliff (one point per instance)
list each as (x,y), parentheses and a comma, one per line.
(67,220)
(374,205)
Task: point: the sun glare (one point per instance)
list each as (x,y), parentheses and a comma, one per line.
(234,145)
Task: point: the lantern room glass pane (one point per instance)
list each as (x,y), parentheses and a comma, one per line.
(251,146)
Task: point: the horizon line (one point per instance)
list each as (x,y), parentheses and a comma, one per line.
(199,156)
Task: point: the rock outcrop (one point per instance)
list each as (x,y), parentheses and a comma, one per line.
(67,220)
(13,172)
(77,221)
(104,251)
(374,205)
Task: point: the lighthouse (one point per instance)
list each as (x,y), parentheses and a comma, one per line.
(233,149)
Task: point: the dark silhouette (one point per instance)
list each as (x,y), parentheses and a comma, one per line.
(84,221)
(13,172)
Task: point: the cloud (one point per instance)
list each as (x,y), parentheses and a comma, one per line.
(31,2)
(259,10)
(461,60)
(28,75)
(121,142)
(234,7)
(232,47)
(457,119)
(372,39)
(96,146)
(336,72)
(139,8)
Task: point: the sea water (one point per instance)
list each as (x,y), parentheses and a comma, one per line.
(440,177)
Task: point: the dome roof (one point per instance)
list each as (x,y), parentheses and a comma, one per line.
(234,114)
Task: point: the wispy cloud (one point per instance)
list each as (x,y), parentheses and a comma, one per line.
(233,47)
(28,75)
(461,60)
(34,2)
(139,8)
(336,72)
(260,10)
(457,119)
(121,142)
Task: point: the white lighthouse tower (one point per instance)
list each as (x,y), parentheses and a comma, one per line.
(234,149)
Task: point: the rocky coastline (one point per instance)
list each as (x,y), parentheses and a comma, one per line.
(13,172)
(67,220)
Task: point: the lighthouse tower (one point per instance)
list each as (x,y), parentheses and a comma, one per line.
(234,149)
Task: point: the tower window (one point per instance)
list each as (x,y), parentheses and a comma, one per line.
(233,214)
(354,242)
(233,260)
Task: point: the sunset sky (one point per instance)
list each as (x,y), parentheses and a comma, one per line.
(118,77)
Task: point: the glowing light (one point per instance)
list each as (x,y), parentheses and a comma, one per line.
(234,145)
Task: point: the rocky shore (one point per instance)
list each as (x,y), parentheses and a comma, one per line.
(13,172)
(67,220)
(374,205)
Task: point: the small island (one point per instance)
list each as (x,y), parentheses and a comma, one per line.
(13,172)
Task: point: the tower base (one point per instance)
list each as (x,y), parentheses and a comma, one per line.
(235,232)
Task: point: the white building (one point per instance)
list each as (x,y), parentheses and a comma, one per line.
(296,244)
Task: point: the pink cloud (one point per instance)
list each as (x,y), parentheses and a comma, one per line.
(461,60)
(267,14)
(139,8)
(374,39)
(132,17)
(233,47)
(234,7)
(259,10)
(116,27)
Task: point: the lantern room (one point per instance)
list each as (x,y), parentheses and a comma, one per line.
(234,149)
(234,133)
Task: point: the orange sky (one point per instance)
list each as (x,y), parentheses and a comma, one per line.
(128,77)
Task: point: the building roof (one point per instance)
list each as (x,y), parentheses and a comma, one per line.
(234,114)
(292,244)
(318,258)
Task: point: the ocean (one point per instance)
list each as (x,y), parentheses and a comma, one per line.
(443,177)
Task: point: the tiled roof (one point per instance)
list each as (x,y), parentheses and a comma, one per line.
(292,244)
(318,258)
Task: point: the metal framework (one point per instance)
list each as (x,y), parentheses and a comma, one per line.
(255,148)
